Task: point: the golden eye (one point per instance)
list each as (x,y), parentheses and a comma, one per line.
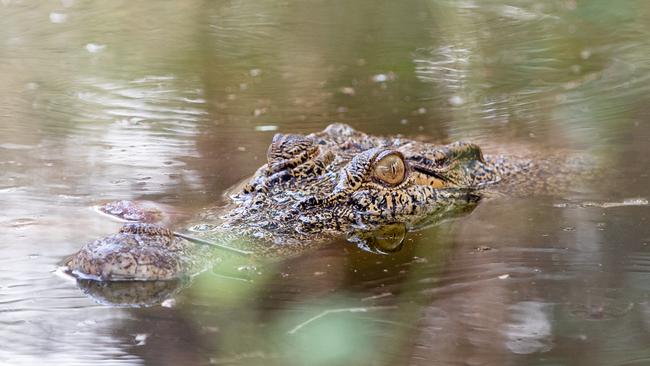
(389,168)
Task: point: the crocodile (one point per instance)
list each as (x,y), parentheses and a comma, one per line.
(338,182)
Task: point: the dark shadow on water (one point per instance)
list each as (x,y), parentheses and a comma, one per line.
(132,293)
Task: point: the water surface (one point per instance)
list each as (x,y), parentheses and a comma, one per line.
(175,102)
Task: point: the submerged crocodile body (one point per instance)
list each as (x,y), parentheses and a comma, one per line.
(337,182)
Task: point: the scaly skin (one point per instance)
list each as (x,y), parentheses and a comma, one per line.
(337,182)
(138,252)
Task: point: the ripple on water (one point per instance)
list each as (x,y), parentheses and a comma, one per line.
(599,309)
(638,262)
(72,135)
(12,146)
(529,328)
(147,123)
(153,99)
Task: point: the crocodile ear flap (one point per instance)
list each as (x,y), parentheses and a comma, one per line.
(356,171)
(349,180)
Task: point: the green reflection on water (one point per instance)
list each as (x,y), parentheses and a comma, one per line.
(333,336)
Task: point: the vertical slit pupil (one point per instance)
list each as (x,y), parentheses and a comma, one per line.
(390,169)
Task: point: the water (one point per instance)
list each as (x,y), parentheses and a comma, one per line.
(176,102)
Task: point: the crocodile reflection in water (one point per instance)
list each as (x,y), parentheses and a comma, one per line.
(337,182)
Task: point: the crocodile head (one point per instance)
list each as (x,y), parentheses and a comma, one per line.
(337,182)
(342,179)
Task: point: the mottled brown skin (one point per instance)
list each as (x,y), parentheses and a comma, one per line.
(347,179)
(138,252)
(337,182)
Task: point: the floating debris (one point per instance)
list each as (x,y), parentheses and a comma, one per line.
(259,111)
(456,101)
(624,203)
(379,78)
(382,78)
(334,311)
(58,18)
(266,128)
(483,248)
(95,47)
(347,90)
(375,297)
(141,339)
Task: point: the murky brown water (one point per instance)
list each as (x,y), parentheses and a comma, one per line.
(175,102)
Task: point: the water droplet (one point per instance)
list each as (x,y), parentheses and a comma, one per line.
(456,101)
(94,47)
(266,128)
(58,18)
(348,90)
(141,339)
(379,78)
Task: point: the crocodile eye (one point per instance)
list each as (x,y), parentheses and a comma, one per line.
(389,168)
